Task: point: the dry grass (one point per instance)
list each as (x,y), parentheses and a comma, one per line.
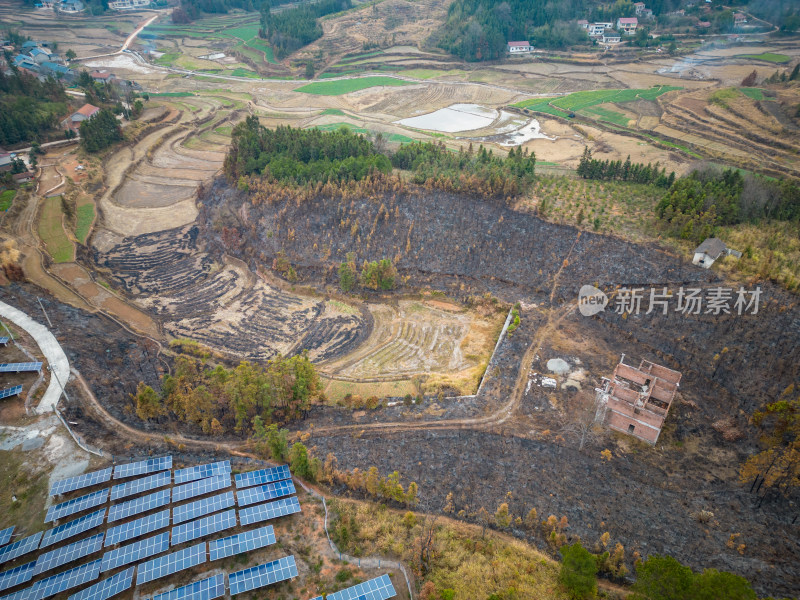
(471,564)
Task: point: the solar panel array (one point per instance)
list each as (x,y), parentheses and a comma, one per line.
(133,529)
(137,486)
(262,476)
(198,508)
(5,535)
(266,492)
(241,542)
(81,481)
(171,563)
(17,575)
(18,548)
(380,588)
(12,391)
(200,487)
(262,575)
(205,589)
(20,367)
(66,554)
(135,552)
(143,467)
(138,505)
(270,510)
(205,526)
(64,581)
(76,505)
(202,471)
(67,530)
(4,340)
(108,588)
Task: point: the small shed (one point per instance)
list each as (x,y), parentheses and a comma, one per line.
(519,47)
(710,250)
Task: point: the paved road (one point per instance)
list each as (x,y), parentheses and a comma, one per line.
(51,349)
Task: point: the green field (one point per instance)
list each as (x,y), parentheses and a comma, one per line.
(390,137)
(767,56)
(85,220)
(6,197)
(52,232)
(611,116)
(754,93)
(577,101)
(345,86)
(332,111)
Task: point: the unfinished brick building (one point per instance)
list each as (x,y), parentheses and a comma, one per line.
(637,400)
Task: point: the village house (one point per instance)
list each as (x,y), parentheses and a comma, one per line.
(39,55)
(710,250)
(519,47)
(583,23)
(627,25)
(739,19)
(597,29)
(87,111)
(128,4)
(611,37)
(102,76)
(637,401)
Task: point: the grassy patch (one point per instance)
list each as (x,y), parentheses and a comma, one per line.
(171,94)
(224,130)
(6,198)
(85,213)
(723,96)
(753,93)
(244,73)
(345,86)
(336,390)
(332,111)
(767,57)
(29,485)
(390,137)
(52,232)
(582,100)
(612,116)
(471,563)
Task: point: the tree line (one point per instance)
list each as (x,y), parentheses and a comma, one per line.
(291,29)
(239,400)
(591,168)
(100,131)
(29,108)
(695,205)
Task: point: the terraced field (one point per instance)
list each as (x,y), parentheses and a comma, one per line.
(224,305)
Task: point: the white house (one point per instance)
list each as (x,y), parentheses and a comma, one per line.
(611,37)
(583,23)
(627,25)
(519,47)
(597,29)
(710,250)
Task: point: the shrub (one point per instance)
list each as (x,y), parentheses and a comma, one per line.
(578,572)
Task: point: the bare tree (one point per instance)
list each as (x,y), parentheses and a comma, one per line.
(581,415)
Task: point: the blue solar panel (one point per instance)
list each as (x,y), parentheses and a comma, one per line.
(66,554)
(138,505)
(17,575)
(198,508)
(380,588)
(205,526)
(20,367)
(171,563)
(108,588)
(202,471)
(137,527)
(266,574)
(263,476)
(206,589)
(74,527)
(135,552)
(241,542)
(12,391)
(4,340)
(266,492)
(76,505)
(20,595)
(64,581)
(20,547)
(270,510)
(5,535)
(143,467)
(137,486)
(200,487)
(81,481)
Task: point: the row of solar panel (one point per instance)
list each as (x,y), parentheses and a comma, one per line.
(12,391)
(153,465)
(157,544)
(148,571)
(185,512)
(27,367)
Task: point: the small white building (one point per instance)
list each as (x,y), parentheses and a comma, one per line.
(611,37)
(710,250)
(597,29)
(519,47)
